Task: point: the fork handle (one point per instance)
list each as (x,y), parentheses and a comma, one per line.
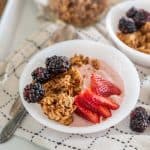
(9,129)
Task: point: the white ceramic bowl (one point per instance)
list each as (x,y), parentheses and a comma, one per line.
(112,21)
(110,55)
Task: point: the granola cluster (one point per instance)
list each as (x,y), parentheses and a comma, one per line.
(59,94)
(79,12)
(79,60)
(59,107)
(139,40)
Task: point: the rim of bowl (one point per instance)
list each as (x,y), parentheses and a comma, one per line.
(113,35)
(86,129)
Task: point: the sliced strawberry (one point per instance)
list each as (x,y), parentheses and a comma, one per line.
(93,105)
(87,114)
(103,87)
(108,102)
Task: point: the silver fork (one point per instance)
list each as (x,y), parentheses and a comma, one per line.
(17,110)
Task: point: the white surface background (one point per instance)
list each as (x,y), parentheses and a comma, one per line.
(27,24)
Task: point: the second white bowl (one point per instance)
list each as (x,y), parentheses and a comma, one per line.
(112,21)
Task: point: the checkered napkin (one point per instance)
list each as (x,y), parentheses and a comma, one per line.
(118,137)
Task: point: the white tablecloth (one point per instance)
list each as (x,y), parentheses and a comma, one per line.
(119,135)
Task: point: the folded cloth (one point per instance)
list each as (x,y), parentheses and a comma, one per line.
(118,137)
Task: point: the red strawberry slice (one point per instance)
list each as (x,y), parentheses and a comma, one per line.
(93,105)
(87,114)
(108,102)
(103,87)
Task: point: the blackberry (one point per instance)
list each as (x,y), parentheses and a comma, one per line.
(139,119)
(33,92)
(131,12)
(127,25)
(57,64)
(41,75)
(140,18)
(149,120)
(148,18)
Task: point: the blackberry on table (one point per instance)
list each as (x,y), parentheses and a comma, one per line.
(131,12)
(57,64)
(33,92)
(41,75)
(149,120)
(139,119)
(140,18)
(127,25)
